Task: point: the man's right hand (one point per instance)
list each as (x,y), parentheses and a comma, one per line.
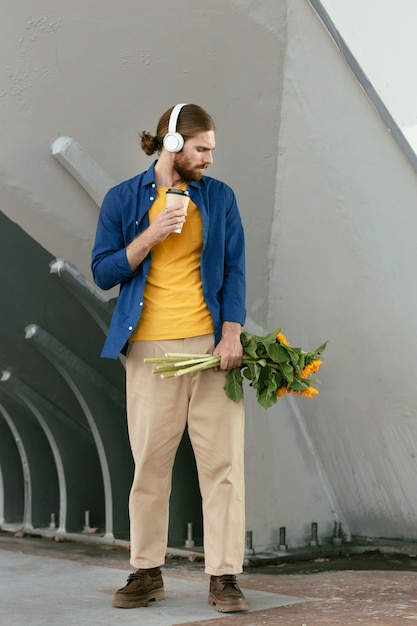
(163,225)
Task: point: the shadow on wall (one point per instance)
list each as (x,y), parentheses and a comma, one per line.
(65,461)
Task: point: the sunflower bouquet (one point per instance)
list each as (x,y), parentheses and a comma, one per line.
(271,365)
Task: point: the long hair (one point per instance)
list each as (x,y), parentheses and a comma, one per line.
(192,120)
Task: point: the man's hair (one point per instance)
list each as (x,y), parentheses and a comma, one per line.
(192,120)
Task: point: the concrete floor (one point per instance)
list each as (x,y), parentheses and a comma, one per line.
(47,583)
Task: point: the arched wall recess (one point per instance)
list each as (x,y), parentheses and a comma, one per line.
(106,422)
(40,480)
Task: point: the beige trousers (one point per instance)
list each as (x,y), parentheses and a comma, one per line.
(158,411)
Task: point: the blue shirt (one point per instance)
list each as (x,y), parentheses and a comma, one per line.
(124,215)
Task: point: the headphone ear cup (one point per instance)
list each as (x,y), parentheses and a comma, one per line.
(173,142)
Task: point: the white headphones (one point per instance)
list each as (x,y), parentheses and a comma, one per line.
(173,141)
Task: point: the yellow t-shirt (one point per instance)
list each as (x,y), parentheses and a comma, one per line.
(174,305)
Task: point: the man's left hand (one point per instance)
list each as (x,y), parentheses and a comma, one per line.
(229,346)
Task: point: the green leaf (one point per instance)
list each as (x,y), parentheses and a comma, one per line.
(271,337)
(267,397)
(278,353)
(298,385)
(251,371)
(294,354)
(249,343)
(287,372)
(320,349)
(233,385)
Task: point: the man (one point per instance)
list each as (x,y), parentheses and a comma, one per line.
(178,293)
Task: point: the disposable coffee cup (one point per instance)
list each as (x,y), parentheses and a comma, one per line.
(175,197)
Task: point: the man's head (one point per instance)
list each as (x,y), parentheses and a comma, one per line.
(197,129)
(191,120)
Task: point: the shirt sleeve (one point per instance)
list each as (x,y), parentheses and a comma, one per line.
(109,261)
(234,285)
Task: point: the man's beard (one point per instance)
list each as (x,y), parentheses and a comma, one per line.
(186,172)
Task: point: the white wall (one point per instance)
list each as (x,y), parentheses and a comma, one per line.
(381,35)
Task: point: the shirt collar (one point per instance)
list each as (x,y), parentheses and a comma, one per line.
(149,175)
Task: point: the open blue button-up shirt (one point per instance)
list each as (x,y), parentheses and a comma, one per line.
(124,214)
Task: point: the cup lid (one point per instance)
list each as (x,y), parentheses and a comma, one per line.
(180,192)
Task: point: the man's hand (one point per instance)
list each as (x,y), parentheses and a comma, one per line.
(163,225)
(229,346)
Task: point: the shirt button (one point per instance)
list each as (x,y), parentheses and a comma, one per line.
(153,185)
(151,198)
(130,327)
(140,303)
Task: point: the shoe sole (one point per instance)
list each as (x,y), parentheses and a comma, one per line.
(239,606)
(153,595)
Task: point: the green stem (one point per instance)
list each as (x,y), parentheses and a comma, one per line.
(166,368)
(215,361)
(193,362)
(160,360)
(181,355)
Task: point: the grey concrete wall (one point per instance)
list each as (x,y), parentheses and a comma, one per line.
(101,75)
(345,222)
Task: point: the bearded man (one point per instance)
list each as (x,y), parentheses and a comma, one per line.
(183,293)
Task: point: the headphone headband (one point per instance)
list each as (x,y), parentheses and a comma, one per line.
(173,119)
(173,141)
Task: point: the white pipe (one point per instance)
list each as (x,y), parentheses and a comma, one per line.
(91,176)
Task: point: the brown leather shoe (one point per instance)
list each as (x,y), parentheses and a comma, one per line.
(142,586)
(226,595)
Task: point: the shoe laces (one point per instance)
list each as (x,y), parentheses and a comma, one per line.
(228,579)
(140,574)
(136,576)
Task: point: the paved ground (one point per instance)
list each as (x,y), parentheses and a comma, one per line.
(62,584)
